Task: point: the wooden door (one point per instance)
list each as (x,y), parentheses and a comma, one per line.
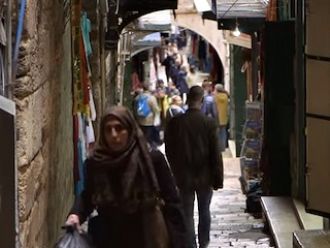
(317,75)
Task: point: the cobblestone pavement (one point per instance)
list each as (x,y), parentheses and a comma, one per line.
(231,226)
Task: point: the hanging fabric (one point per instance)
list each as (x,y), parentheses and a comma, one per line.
(271,14)
(84,111)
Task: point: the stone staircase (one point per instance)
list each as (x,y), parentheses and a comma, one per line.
(231,226)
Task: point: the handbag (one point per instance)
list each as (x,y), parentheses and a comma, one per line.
(155,229)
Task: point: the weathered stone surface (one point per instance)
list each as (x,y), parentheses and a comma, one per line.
(194,22)
(31,183)
(39,49)
(32,15)
(60,160)
(33,230)
(32,117)
(44,123)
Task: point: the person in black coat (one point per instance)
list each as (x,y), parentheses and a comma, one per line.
(192,149)
(126,183)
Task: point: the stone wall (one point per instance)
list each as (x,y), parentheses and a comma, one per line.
(44,123)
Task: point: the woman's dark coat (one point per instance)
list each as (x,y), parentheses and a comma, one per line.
(118,226)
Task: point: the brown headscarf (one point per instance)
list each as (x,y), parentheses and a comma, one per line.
(135,157)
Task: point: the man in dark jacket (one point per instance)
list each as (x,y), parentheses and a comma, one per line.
(192,150)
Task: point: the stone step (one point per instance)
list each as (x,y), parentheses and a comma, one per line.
(282,219)
(311,239)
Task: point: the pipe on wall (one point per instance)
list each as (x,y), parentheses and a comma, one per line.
(19,32)
(8,54)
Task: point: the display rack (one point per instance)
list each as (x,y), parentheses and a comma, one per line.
(251,147)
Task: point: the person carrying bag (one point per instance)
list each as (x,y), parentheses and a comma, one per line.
(72,238)
(132,189)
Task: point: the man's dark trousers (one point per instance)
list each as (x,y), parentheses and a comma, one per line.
(204,197)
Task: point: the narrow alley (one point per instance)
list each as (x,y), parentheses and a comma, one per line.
(90,89)
(231,226)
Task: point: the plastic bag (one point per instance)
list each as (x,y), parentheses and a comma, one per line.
(73,239)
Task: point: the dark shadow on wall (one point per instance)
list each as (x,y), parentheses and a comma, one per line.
(279,44)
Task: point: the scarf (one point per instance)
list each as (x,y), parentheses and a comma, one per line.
(134,159)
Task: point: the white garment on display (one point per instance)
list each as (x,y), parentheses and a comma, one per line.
(162,74)
(90,135)
(81,136)
(152,74)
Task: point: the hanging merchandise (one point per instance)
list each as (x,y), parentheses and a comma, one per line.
(85,25)
(92,105)
(86,28)
(271,14)
(84,111)
(152,74)
(82,152)
(252,143)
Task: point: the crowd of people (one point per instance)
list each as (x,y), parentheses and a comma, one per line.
(165,102)
(143,199)
(136,191)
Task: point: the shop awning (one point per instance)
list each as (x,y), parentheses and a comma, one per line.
(248,15)
(153,39)
(148,41)
(160,20)
(146,32)
(123,12)
(232,9)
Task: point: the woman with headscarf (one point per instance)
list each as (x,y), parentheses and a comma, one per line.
(126,182)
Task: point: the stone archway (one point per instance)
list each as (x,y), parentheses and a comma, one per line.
(208,29)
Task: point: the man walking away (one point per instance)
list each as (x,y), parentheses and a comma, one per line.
(209,107)
(222,100)
(191,145)
(146,108)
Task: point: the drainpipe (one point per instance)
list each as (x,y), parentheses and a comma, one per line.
(8,55)
(19,32)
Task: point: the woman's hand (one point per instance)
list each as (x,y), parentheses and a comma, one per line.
(73,220)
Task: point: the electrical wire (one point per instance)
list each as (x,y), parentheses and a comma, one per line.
(263,2)
(232,5)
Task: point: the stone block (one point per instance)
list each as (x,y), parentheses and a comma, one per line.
(32,18)
(33,114)
(33,232)
(31,183)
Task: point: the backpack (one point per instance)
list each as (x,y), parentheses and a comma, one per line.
(142,106)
